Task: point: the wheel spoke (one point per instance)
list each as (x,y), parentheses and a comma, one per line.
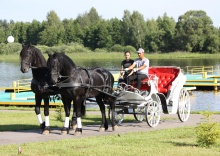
(153,114)
(183,106)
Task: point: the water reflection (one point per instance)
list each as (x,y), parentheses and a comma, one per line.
(10,72)
(205,100)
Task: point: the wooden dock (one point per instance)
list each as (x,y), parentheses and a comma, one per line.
(22,99)
(206,82)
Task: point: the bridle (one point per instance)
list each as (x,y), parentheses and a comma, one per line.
(30,66)
(57,73)
(28,63)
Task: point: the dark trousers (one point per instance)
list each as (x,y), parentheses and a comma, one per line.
(138,77)
(124,79)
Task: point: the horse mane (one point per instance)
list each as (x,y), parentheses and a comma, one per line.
(65,58)
(39,56)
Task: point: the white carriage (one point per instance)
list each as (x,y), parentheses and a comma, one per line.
(162,92)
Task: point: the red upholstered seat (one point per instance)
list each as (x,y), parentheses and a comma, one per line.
(166,76)
(164,81)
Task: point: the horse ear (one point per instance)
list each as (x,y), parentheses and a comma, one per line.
(30,44)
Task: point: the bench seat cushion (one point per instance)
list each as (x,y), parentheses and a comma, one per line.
(164,81)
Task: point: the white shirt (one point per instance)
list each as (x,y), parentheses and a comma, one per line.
(138,62)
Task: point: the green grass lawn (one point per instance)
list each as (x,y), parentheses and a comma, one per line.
(170,142)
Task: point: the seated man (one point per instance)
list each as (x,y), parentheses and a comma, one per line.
(141,70)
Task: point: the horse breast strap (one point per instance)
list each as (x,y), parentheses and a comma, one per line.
(90,82)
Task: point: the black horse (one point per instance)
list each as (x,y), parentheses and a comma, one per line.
(31,57)
(77,84)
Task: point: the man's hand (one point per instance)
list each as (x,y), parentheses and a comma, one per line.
(135,69)
(126,69)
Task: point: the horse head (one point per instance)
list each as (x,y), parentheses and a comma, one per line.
(31,57)
(61,67)
(53,65)
(26,56)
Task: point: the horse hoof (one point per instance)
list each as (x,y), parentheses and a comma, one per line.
(46,132)
(78,131)
(114,128)
(64,131)
(74,127)
(101,129)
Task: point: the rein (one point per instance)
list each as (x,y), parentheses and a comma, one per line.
(30,66)
(64,84)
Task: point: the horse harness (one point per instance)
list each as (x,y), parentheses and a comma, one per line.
(83,84)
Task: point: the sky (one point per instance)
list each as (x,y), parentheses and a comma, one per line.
(28,10)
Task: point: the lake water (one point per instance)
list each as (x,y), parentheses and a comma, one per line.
(200,100)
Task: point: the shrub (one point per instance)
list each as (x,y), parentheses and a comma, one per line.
(129,48)
(100,50)
(59,113)
(42,48)
(117,48)
(10,48)
(207,132)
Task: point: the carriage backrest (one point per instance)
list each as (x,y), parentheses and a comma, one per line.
(166,75)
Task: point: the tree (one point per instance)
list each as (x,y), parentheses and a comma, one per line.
(53,30)
(192,30)
(127,26)
(212,43)
(115,29)
(33,31)
(86,20)
(134,29)
(98,36)
(73,31)
(166,28)
(19,31)
(153,36)
(4,31)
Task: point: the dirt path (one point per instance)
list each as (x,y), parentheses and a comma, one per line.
(26,136)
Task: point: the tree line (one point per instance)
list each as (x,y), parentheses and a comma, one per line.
(193,32)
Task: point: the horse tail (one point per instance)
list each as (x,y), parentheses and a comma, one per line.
(83,109)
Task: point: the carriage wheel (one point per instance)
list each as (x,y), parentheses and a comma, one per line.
(117,117)
(153,111)
(139,117)
(183,105)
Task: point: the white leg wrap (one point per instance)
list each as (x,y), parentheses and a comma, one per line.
(79,123)
(47,121)
(67,121)
(39,118)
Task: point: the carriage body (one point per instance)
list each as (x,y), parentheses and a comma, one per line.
(161,92)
